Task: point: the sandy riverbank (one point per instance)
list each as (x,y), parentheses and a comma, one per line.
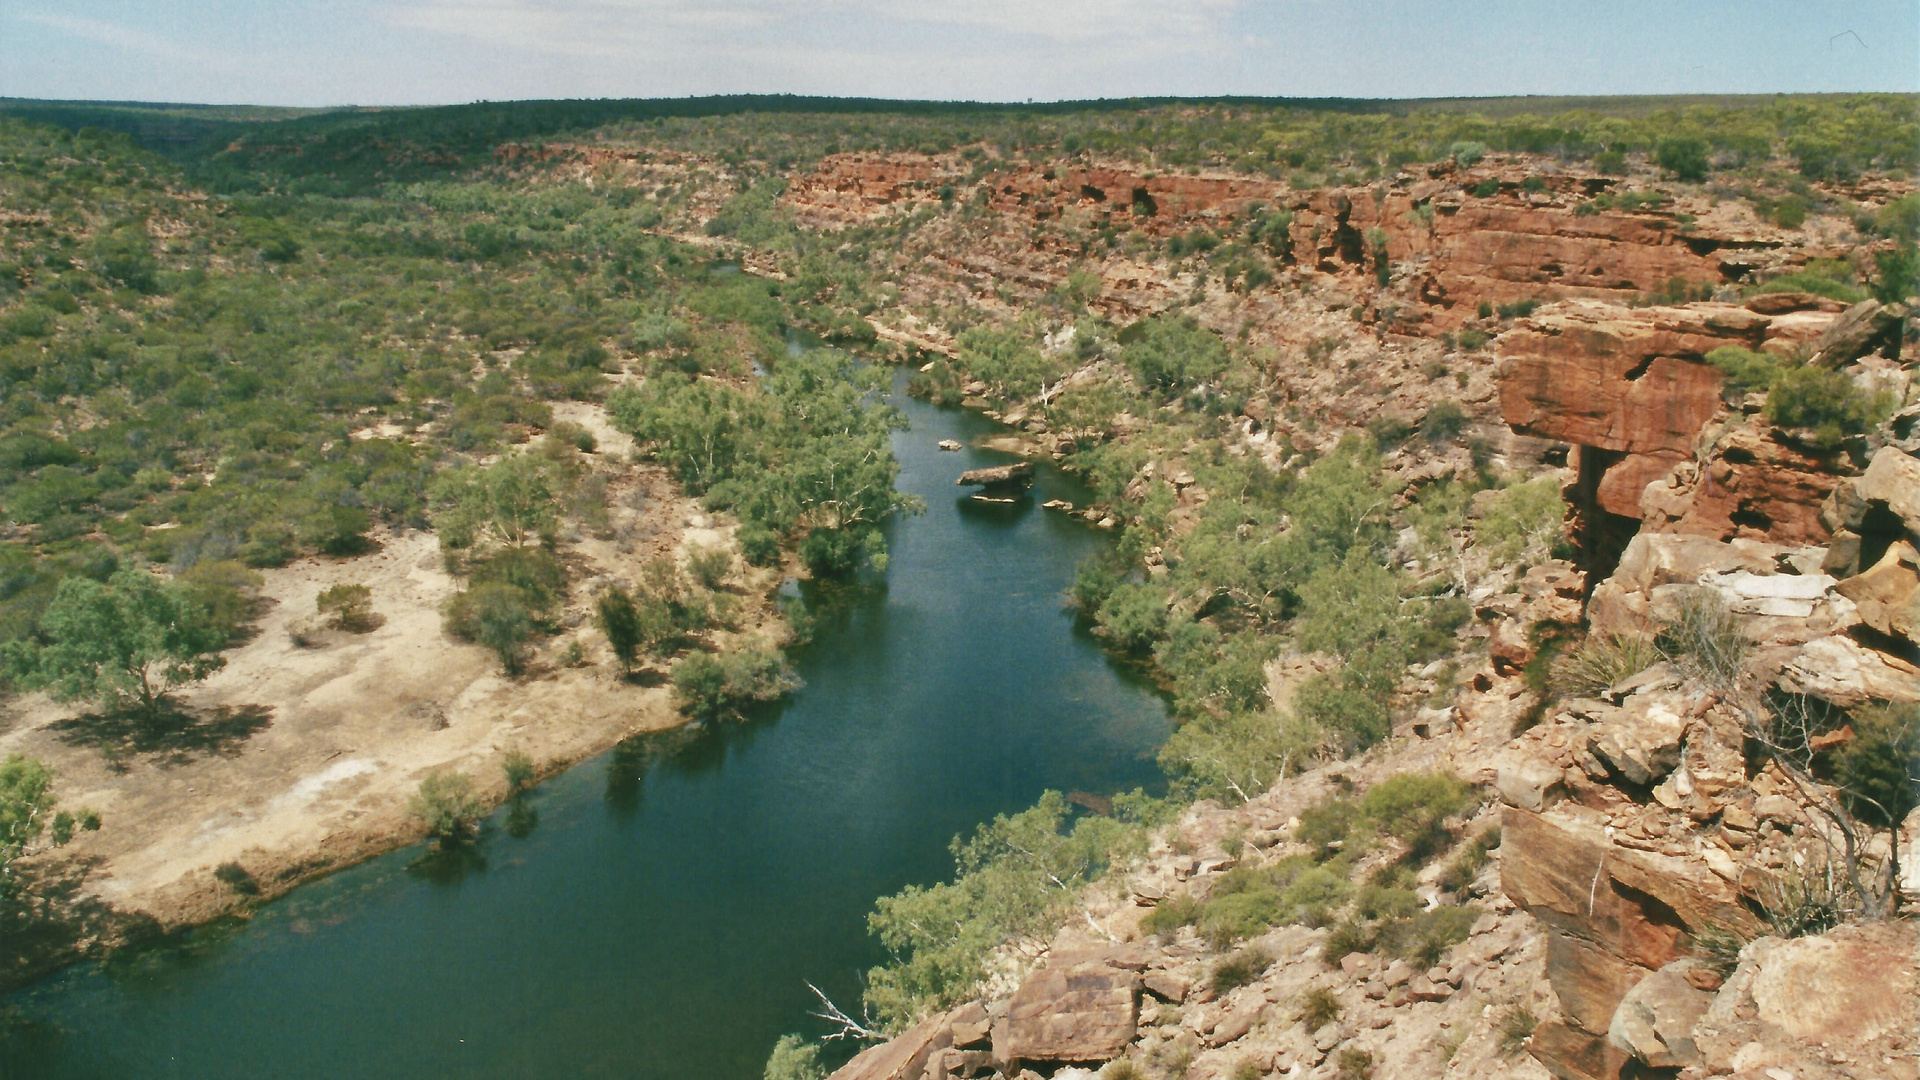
(300,759)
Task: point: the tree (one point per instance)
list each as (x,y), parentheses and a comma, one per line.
(26,794)
(494,614)
(133,639)
(1174,353)
(620,621)
(511,502)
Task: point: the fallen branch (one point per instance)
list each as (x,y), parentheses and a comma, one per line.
(846,1027)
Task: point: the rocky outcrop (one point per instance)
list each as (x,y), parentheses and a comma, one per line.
(1631,389)
(1078,1008)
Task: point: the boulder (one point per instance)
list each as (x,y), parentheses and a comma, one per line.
(1654,1021)
(1853,984)
(1642,743)
(1892,481)
(1842,671)
(1862,328)
(1527,782)
(1571,1054)
(1751,484)
(1887,595)
(902,1058)
(1077,1012)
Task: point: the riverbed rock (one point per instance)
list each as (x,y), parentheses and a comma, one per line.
(1083,1011)
(1019,474)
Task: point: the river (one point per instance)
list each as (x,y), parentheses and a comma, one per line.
(661,918)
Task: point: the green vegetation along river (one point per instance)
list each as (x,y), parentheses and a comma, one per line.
(663,916)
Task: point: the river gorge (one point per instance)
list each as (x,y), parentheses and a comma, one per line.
(665,905)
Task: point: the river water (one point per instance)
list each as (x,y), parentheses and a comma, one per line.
(661,918)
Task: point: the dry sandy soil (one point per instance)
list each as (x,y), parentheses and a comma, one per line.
(298,759)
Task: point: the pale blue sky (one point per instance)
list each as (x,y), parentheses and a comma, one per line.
(327,52)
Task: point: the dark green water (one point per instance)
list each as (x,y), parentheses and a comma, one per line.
(662,918)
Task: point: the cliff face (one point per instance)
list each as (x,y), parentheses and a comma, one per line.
(1643,829)
(1522,237)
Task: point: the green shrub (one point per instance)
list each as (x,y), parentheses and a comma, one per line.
(1475,340)
(1745,371)
(496,615)
(1327,825)
(794,1058)
(1467,153)
(1825,402)
(347,607)
(1133,617)
(1899,274)
(1525,523)
(1426,936)
(519,770)
(1238,970)
(1347,938)
(1809,281)
(1878,771)
(1485,189)
(1412,807)
(1173,354)
(708,687)
(1444,422)
(236,877)
(1172,913)
(446,804)
(709,565)
(1683,156)
(1515,1026)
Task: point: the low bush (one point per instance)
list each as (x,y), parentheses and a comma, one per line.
(709,565)
(236,877)
(1319,1007)
(1425,937)
(1444,422)
(1808,281)
(1600,661)
(1703,636)
(346,607)
(1744,371)
(1515,1026)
